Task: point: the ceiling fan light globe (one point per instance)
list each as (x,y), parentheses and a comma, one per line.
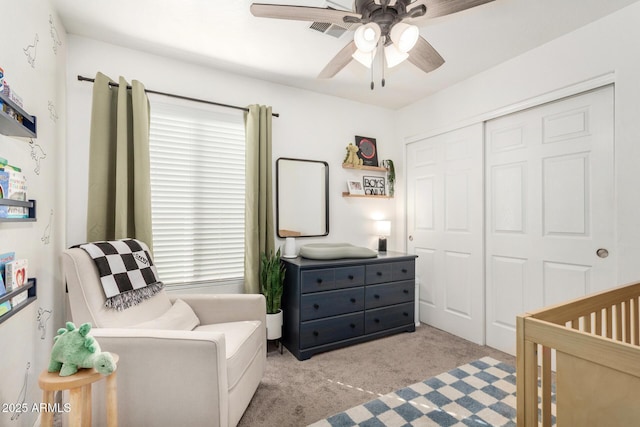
(394,56)
(365,58)
(366,37)
(404,36)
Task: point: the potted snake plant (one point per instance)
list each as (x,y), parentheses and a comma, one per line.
(271,286)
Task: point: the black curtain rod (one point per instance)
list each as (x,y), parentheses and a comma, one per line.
(88,79)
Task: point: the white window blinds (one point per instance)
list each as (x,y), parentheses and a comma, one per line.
(197,194)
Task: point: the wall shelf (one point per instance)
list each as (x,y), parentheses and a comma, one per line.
(29,288)
(369,196)
(365,168)
(31,205)
(11,127)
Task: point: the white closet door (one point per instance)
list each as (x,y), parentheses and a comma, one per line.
(444,224)
(549,208)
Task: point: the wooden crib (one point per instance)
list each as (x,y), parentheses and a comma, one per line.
(597,361)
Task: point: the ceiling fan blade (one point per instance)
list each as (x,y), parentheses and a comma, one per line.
(339,61)
(302,13)
(436,8)
(424,56)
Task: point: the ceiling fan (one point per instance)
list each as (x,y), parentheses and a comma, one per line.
(386,23)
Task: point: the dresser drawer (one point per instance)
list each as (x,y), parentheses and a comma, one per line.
(347,277)
(318,280)
(379,273)
(331,303)
(389,293)
(325,331)
(404,270)
(388,317)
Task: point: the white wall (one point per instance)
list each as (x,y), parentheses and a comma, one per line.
(27,337)
(610,45)
(310,126)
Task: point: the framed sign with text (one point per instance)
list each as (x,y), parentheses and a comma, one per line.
(373,185)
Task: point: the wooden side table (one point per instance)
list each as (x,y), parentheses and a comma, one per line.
(79,385)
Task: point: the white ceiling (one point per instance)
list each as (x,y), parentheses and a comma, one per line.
(223,34)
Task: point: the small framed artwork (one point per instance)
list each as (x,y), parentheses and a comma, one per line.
(355,187)
(373,185)
(368,151)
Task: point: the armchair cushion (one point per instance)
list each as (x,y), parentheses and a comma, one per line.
(180,317)
(243,341)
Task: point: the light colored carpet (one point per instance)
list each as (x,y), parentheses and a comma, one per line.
(298,393)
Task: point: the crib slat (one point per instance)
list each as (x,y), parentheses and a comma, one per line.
(587,323)
(627,321)
(618,322)
(609,321)
(599,322)
(546,386)
(636,322)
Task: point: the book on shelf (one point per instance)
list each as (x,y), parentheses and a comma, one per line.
(16,277)
(5,306)
(13,185)
(4,259)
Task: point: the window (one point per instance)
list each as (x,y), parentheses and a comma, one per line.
(197,194)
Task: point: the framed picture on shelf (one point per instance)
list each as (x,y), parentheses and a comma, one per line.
(355,187)
(373,185)
(367,150)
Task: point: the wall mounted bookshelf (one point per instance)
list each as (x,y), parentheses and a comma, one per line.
(29,288)
(11,127)
(366,196)
(31,205)
(364,168)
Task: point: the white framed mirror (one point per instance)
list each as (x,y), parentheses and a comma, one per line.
(302,197)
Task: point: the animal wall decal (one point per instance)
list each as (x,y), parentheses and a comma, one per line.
(22,395)
(54,35)
(31,51)
(53,115)
(43,318)
(46,236)
(37,154)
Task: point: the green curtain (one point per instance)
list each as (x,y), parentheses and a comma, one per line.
(258,200)
(119,203)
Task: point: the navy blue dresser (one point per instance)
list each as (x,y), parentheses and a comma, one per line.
(336,303)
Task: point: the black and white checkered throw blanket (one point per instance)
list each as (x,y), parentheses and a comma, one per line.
(127,272)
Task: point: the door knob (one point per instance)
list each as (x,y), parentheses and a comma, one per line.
(411,238)
(602,253)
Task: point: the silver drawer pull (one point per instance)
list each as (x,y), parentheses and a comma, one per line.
(404,270)
(316,333)
(319,280)
(353,300)
(376,296)
(379,273)
(316,306)
(376,320)
(351,277)
(406,291)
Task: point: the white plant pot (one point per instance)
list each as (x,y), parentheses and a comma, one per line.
(274,326)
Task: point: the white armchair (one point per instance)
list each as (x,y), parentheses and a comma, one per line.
(201,377)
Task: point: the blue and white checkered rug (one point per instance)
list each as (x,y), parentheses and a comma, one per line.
(479,394)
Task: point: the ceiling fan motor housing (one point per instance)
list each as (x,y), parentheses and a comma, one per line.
(382,14)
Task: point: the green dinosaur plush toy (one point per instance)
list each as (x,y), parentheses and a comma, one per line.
(75,348)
